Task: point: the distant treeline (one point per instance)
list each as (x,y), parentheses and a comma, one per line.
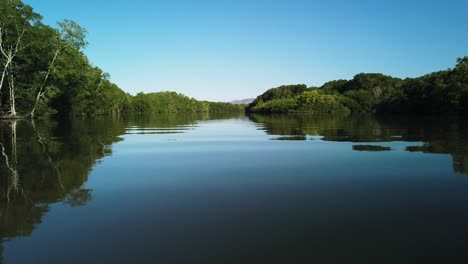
(172,102)
(439,92)
(43,71)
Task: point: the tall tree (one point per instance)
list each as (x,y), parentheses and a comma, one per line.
(71,36)
(15,21)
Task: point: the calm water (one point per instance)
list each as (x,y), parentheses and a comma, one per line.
(260,189)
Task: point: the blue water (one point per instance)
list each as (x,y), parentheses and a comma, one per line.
(282,189)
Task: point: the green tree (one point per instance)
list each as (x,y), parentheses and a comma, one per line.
(16,21)
(71,36)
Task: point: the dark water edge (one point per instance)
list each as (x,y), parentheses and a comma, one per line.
(230,189)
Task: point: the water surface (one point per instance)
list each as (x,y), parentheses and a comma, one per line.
(258,189)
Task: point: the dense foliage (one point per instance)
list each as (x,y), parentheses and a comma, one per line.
(439,92)
(220,107)
(172,102)
(166,102)
(44,71)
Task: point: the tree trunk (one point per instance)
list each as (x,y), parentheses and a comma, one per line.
(5,66)
(1,83)
(42,89)
(9,55)
(9,59)
(11,84)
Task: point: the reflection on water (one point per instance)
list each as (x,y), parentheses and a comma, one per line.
(44,163)
(47,162)
(439,135)
(371,148)
(291,138)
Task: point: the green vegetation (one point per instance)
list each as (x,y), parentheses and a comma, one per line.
(439,92)
(166,102)
(44,72)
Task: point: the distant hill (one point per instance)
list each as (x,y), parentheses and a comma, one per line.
(243,101)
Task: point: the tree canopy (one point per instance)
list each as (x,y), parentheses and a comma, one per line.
(45,72)
(439,92)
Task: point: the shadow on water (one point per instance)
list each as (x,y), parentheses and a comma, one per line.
(438,135)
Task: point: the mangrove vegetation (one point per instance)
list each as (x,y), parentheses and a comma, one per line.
(438,92)
(45,72)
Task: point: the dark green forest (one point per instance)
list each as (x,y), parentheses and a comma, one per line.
(45,72)
(172,102)
(439,92)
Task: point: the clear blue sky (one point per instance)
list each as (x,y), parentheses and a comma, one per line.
(223,50)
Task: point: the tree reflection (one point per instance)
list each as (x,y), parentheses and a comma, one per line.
(47,162)
(457,148)
(79,197)
(372,148)
(439,135)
